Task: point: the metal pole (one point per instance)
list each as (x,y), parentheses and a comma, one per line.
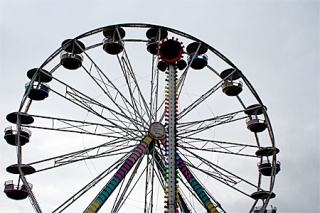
(171,138)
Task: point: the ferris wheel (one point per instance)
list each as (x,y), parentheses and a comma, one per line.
(141,118)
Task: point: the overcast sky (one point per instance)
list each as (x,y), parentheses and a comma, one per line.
(275,42)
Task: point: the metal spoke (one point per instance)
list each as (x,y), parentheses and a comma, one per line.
(154,93)
(131,79)
(222,175)
(86,102)
(228,151)
(150,174)
(184,75)
(109,84)
(216,142)
(116,147)
(216,119)
(189,132)
(82,127)
(218,146)
(197,102)
(91,184)
(104,87)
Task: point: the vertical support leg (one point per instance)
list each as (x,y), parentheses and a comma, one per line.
(171,113)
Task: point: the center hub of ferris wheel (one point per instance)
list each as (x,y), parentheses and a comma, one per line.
(157,131)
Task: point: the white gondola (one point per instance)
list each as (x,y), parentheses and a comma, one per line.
(38,91)
(71,61)
(232,88)
(16,192)
(266,167)
(11,136)
(112,47)
(254,124)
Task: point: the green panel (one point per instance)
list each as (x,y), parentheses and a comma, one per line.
(112,187)
(100,198)
(114,182)
(199,190)
(197,187)
(193,182)
(201,194)
(108,190)
(206,200)
(106,194)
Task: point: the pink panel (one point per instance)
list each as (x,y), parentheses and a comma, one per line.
(126,166)
(140,146)
(185,172)
(188,176)
(131,159)
(129,162)
(118,176)
(138,150)
(135,156)
(181,164)
(144,144)
(184,169)
(121,172)
(124,170)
